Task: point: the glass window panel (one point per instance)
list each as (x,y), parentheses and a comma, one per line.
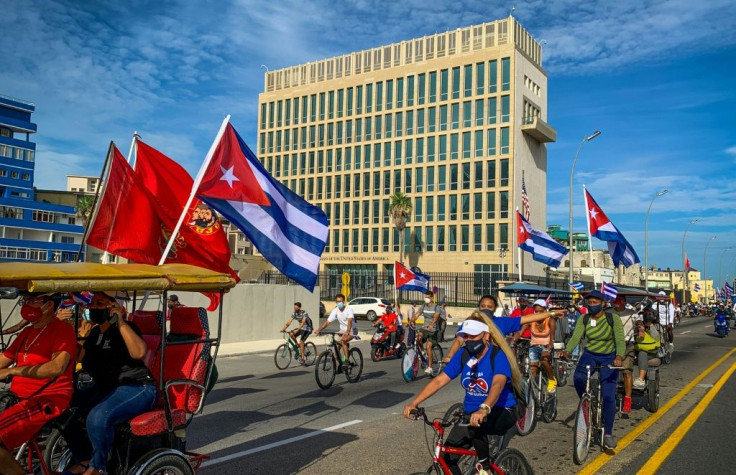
(491,142)
(492,76)
(430,179)
(456,82)
(478,143)
(504,140)
(452,238)
(479,78)
(440,238)
(490,237)
(491,205)
(442,178)
(505,74)
(430,208)
(441,201)
(429,239)
(464,237)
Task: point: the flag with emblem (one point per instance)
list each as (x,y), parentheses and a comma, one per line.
(609,290)
(407,279)
(287,230)
(601,227)
(542,247)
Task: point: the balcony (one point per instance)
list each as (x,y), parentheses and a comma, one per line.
(538,129)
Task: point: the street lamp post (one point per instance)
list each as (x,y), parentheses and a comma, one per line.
(646,240)
(705,267)
(572,170)
(720,265)
(684,265)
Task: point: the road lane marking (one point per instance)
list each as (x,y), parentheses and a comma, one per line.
(682,333)
(624,442)
(254,450)
(665,450)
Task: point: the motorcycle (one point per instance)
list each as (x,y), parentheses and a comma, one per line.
(721,326)
(381,344)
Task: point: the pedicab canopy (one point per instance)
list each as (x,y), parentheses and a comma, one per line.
(74,276)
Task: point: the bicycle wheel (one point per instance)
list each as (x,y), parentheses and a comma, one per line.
(410,365)
(561,373)
(583,430)
(354,365)
(282,357)
(653,394)
(513,462)
(310,350)
(549,410)
(437,355)
(325,369)
(454,413)
(526,423)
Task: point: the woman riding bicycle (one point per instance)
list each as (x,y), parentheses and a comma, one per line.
(604,346)
(487,376)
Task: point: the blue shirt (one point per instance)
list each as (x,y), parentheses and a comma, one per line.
(476,378)
(506,325)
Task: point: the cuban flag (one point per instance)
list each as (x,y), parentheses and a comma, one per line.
(289,232)
(609,290)
(542,247)
(83,298)
(728,289)
(577,285)
(697,287)
(601,227)
(407,279)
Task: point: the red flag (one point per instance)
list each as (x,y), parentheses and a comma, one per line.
(687,263)
(402,274)
(125,223)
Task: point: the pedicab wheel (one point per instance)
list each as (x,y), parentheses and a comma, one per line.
(561,373)
(528,421)
(667,357)
(282,357)
(162,462)
(549,411)
(325,369)
(582,432)
(653,394)
(513,462)
(56,453)
(355,365)
(437,355)
(410,365)
(454,413)
(311,353)
(376,353)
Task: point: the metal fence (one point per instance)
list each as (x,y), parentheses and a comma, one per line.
(458,289)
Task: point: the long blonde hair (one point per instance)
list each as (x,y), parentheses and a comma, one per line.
(499,340)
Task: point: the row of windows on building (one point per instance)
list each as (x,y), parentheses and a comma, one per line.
(15,175)
(386,126)
(455,207)
(22,253)
(417,89)
(14,212)
(481,175)
(462,238)
(479,144)
(18,153)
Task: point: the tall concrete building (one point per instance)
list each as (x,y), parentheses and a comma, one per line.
(454,120)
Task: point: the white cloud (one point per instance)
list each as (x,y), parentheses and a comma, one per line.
(731,151)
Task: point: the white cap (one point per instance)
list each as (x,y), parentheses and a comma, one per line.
(473,327)
(541,302)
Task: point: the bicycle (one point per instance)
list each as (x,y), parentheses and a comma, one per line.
(560,366)
(665,345)
(416,356)
(505,461)
(327,366)
(283,355)
(543,399)
(589,413)
(528,421)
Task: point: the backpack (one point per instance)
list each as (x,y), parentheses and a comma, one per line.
(521,400)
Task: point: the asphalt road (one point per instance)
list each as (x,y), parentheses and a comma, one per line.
(264,421)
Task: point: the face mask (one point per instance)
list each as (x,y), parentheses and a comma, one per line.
(594,309)
(31,314)
(85,315)
(488,312)
(523,306)
(340,305)
(99,316)
(475,347)
(427,300)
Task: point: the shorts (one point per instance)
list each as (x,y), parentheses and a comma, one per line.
(629,359)
(19,423)
(428,335)
(352,336)
(304,334)
(535,353)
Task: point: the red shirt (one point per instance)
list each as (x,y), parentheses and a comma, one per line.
(35,346)
(518,313)
(389,321)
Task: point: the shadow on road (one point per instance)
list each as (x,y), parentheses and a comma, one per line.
(382,399)
(230,422)
(286,374)
(372,375)
(222,394)
(234,379)
(310,410)
(333,391)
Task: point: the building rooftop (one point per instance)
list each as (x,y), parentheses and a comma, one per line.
(16,103)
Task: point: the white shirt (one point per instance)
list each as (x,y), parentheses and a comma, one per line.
(342,317)
(666,313)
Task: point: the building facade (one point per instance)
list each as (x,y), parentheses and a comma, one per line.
(453,120)
(30,229)
(82,184)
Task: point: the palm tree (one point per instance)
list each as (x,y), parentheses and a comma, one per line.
(84,209)
(399,209)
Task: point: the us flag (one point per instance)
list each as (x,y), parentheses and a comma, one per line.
(525,200)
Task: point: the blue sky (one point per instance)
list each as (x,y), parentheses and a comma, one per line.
(656,77)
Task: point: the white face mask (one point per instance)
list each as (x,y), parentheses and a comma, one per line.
(427,300)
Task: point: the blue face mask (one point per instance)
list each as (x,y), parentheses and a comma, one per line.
(340,305)
(488,312)
(594,309)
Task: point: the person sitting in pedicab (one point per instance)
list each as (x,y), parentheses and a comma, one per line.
(113,355)
(42,376)
(390,323)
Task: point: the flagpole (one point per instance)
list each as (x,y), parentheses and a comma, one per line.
(104,174)
(590,239)
(195,186)
(518,247)
(396,290)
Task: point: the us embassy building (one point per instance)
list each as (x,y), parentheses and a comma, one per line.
(453,120)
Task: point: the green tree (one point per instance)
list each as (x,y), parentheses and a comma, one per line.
(84,209)
(399,209)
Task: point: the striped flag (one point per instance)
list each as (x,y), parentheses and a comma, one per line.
(728,289)
(525,200)
(542,247)
(609,290)
(577,285)
(697,287)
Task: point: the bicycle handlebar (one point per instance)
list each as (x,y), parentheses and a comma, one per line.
(419,412)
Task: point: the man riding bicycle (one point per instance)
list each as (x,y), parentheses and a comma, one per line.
(42,376)
(430,332)
(302,331)
(604,346)
(343,314)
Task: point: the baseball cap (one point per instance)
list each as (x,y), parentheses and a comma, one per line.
(596,294)
(541,302)
(174,298)
(472,328)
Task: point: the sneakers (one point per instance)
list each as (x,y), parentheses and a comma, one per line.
(429,372)
(481,470)
(639,383)
(609,442)
(626,405)
(670,347)
(552,386)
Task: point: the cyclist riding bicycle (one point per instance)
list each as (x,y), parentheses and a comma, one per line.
(390,323)
(540,349)
(487,375)
(42,375)
(430,332)
(302,331)
(345,316)
(604,346)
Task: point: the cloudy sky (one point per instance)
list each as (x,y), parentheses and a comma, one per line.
(656,77)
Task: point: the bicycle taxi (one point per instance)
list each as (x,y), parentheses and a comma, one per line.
(181,355)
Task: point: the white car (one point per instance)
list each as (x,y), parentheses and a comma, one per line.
(369,307)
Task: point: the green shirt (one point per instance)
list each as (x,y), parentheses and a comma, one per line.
(601,338)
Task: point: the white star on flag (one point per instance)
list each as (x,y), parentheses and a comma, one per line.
(228,176)
(402,275)
(521,229)
(593,212)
